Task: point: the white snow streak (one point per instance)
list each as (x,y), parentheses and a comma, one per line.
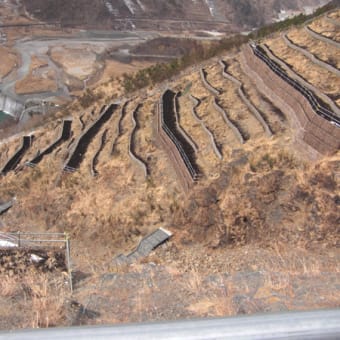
(211,6)
(7,244)
(35,258)
(109,7)
(130,5)
(140,4)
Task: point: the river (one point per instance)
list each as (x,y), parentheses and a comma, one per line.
(3,116)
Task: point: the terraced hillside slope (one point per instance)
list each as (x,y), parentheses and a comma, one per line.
(245,178)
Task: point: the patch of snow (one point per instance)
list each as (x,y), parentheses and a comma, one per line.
(7,244)
(214,33)
(113,11)
(109,7)
(130,5)
(35,258)
(140,4)
(308,10)
(211,6)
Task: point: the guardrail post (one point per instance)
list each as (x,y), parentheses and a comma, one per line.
(19,240)
(68,260)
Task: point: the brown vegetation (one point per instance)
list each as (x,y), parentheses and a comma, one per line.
(8,61)
(258,232)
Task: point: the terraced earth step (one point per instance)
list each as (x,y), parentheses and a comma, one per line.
(311,56)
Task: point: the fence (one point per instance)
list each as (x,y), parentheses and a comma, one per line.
(36,240)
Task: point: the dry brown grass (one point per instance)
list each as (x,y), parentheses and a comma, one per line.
(48,300)
(311,72)
(8,287)
(9,61)
(40,298)
(326,28)
(223,226)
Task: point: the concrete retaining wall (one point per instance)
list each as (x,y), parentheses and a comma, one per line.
(332,21)
(119,129)
(311,56)
(94,162)
(136,159)
(180,129)
(245,100)
(79,149)
(291,74)
(230,124)
(185,168)
(10,106)
(16,158)
(207,85)
(196,103)
(321,37)
(145,246)
(317,132)
(82,121)
(64,135)
(5,206)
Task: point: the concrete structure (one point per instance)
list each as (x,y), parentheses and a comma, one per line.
(146,245)
(316,126)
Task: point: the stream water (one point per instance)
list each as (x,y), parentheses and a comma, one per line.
(3,116)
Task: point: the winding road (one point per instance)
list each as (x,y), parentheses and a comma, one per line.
(40,46)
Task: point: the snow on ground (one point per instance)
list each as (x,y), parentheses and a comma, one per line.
(211,5)
(214,33)
(130,5)
(7,244)
(109,7)
(35,258)
(140,4)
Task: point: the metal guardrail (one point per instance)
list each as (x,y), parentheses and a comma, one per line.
(38,240)
(311,325)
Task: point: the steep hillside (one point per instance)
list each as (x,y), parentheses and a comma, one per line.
(232,156)
(152,14)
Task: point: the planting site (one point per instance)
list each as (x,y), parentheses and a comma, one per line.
(237,157)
